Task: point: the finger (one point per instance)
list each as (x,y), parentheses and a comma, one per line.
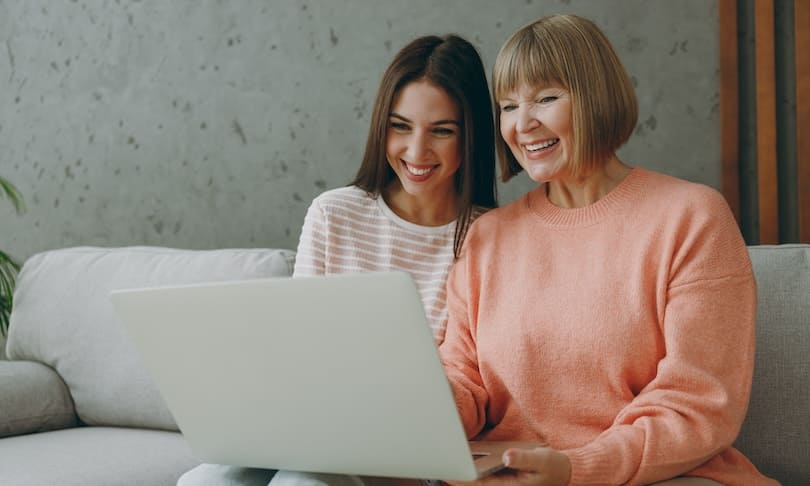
(525,459)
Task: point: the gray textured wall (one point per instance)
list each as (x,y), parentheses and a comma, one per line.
(204,124)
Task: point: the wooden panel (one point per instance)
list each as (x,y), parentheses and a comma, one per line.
(802,32)
(766,122)
(729,105)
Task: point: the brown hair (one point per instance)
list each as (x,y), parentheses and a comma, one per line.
(571,52)
(453,64)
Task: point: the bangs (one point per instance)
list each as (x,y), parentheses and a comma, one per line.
(526,60)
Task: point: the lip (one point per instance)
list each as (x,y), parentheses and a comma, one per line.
(540,153)
(430,169)
(526,145)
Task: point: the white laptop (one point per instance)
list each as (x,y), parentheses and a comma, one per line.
(334,374)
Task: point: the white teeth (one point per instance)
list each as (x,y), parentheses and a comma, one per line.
(542,145)
(419,172)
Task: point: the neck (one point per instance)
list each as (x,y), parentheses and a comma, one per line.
(570,192)
(422,209)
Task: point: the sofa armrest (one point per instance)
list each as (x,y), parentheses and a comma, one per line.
(33,399)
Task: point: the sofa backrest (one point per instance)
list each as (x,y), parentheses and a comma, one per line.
(63,317)
(776,432)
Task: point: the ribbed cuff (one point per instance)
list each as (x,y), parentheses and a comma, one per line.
(590,465)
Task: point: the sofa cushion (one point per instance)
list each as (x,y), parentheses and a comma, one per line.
(775,433)
(63,317)
(33,399)
(95,456)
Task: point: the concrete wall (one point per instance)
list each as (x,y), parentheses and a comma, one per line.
(204,124)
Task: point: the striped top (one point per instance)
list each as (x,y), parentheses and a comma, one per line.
(348,231)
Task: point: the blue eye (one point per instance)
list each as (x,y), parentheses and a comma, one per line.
(508,108)
(548,99)
(399,126)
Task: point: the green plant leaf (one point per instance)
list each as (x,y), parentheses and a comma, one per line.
(8,267)
(8,273)
(5,313)
(8,190)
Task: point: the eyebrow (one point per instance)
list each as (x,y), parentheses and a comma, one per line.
(437,122)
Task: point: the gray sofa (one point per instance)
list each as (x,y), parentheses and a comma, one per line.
(77,408)
(776,431)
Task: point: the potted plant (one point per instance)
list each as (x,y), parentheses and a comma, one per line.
(8,267)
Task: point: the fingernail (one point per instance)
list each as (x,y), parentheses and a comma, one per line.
(507,460)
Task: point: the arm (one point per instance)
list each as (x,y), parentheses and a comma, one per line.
(685,418)
(693,408)
(458,351)
(310,257)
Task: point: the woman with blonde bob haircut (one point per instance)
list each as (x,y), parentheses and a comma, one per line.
(608,314)
(605,109)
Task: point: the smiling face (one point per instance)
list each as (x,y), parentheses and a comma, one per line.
(537,126)
(423,144)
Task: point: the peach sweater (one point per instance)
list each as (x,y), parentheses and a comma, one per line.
(621,333)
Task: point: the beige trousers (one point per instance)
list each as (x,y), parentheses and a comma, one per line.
(687,482)
(289,478)
(216,475)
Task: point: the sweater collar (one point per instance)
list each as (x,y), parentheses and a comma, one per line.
(537,203)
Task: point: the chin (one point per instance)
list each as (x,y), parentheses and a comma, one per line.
(539,177)
(542,174)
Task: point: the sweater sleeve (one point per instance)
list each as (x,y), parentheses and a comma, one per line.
(694,407)
(310,257)
(458,350)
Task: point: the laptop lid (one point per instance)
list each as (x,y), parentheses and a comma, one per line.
(336,374)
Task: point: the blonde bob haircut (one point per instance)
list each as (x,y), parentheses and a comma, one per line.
(570,52)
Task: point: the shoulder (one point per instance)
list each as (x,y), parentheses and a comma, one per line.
(343,195)
(503,214)
(674,196)
(496,223)
(669,186)
(343,199)
(698,225)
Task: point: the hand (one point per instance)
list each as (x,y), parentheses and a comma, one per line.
(541,466)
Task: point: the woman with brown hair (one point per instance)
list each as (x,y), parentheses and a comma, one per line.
(427,172)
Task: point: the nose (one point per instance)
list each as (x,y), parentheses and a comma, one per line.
(526,121)
(418,147)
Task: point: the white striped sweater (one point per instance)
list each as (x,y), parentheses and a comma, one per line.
(346,230)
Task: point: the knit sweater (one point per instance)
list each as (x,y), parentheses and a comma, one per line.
(346,231)
(621,333)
